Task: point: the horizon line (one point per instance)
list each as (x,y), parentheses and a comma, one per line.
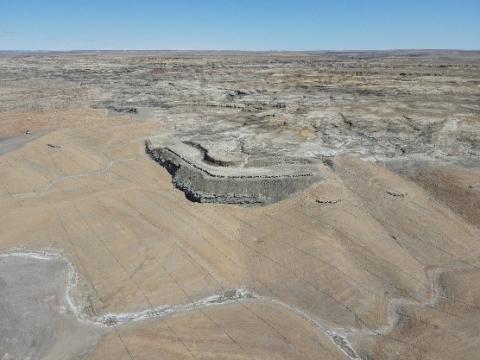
(238,50)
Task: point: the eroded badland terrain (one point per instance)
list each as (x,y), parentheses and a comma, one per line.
(240,206)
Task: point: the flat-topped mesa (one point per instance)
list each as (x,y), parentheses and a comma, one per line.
(208,179)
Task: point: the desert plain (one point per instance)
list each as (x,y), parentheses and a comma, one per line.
(228,205)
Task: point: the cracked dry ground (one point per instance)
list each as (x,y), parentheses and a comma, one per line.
(389,262)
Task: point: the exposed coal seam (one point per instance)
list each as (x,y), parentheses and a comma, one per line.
(198,196)
(201,185)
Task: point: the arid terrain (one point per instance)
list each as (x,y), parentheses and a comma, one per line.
(176,205)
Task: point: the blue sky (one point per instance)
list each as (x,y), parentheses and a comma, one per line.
(239,24)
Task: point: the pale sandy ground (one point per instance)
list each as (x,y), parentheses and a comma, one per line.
(391,264)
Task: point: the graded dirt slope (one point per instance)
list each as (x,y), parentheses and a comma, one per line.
(455,187)
(100,250)
(354,258)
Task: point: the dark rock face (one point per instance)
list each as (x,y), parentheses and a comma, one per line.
(127,110)
(245,187)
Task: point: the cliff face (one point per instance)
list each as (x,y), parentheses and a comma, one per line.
(204,182)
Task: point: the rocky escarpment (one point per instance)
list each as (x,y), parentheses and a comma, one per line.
(215,181)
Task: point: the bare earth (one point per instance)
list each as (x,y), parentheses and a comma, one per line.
(377,258)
